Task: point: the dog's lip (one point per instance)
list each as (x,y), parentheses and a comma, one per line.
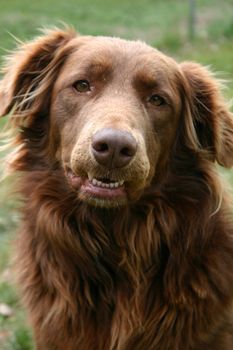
(96,187)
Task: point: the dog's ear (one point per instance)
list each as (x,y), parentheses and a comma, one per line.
(30,71)
(210,122)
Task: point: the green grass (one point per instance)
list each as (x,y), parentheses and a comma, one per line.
(162,23)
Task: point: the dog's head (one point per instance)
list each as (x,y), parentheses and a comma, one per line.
(110,113)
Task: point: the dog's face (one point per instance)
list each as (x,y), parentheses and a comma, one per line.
(110,112)
(116,110)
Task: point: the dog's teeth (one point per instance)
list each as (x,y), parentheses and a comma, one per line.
(94,181)
(102,184)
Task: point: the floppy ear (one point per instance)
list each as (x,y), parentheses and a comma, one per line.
(212,121)
(29,73)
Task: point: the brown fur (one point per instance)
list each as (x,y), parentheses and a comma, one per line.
(152,271)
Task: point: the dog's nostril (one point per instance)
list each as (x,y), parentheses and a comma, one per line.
(113,148)
(127,151)
(100,147)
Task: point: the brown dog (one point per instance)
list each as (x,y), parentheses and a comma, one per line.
(126,240)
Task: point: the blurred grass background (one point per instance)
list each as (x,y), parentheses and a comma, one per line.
(162,23)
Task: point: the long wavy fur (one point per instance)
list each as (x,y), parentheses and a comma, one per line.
(156,274)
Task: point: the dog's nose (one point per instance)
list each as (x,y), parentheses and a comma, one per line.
(113,148)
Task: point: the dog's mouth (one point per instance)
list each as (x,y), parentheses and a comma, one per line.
(100,191)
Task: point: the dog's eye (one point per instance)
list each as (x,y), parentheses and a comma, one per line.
(157,100)
(82,86)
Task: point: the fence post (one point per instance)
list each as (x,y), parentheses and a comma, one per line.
(192,19)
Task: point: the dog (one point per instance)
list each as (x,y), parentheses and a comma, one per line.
(126,239)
